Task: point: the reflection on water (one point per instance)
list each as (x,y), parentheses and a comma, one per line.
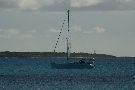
(36,74)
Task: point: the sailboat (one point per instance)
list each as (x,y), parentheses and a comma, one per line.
(71,62)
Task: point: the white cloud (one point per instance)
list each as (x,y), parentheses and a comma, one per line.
(123,1)
(12,31)
(99,29)
(25,36)
(5,36)
(29,4)
(84,3)
(18,34)
(96,29)
(33,31)
(73,29)
(34,5)
(54,30)
(76,28)
(7,33)
(128,0)
(88,32)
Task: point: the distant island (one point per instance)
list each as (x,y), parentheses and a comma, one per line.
(51,54)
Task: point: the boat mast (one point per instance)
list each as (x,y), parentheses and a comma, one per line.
(68,37)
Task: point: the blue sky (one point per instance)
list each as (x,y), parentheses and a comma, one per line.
(103,25)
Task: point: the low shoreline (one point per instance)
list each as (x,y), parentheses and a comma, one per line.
(51,54)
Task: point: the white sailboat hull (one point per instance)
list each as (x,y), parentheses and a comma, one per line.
(72,66)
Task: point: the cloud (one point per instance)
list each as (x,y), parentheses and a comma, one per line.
(88,32)
(18,34)
(79,29)
(33,31)
(32,5)
(54,30)
(7,33)
(99,29)
(5,37)
(12,31)
(84,3)
(76,28)
(73,29)
(55,5)
(25,36)
(29,4)
(96,29)
(122,1)
(37,4)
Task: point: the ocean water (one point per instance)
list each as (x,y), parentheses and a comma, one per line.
(36,74)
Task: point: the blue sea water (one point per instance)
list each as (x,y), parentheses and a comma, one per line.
(36,74)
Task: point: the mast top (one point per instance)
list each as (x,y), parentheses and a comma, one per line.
(68,19)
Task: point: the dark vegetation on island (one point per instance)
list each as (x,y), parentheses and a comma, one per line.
(51,54)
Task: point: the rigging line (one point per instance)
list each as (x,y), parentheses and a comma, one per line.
(59,35)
